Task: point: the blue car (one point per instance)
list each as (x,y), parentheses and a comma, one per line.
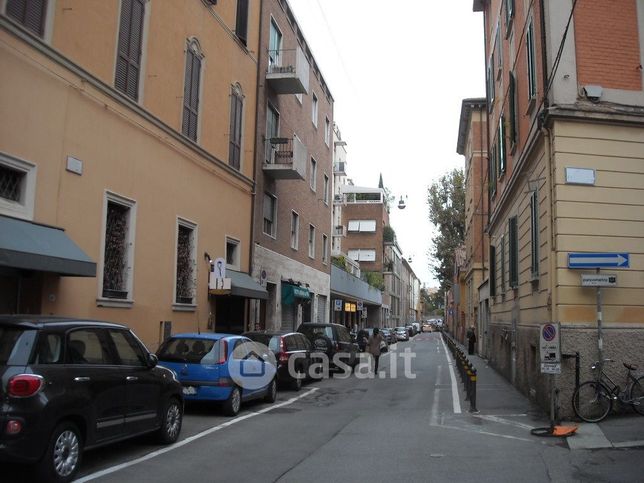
(220,367)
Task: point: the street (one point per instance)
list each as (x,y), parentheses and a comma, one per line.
(363,429)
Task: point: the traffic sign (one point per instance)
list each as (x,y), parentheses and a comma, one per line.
(598,280)
(598,260)
(550,348)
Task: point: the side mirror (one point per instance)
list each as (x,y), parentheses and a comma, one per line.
(153,360)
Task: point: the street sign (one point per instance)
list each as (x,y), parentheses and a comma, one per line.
(598,260)
(550,349)
(598,280)
(359,304)
(219,267)
(337,305)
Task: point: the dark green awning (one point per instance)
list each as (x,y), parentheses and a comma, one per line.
(29,246)
(291,292)
(243,285)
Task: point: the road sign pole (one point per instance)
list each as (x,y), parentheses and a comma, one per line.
(600,342)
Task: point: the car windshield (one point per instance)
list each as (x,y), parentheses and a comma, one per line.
(272,341)
(184,349)
(8,338)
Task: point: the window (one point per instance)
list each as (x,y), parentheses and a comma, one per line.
(534,231)
(368,226)
(362,255)
(236,110)
(274,47)
(17,187)
(326,189)
(295,230)
(311,241)
(48,349)
(532,66)
(241,26)
(513,110)
(185,277)
(492,271)
(88,347)
(492,169)
(118,250)
(232,253)
(29,13)
(513,250)
(325,249)
(272,130)
(191,90)
(498,49)
(128,58)
(314,174)
(270,214)
(314,110)
(502,254)
(127,349)
(327,131)
(500,146)
(490,81)
(509,14)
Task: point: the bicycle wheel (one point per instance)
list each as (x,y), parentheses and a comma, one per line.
(592,401)
(637,396)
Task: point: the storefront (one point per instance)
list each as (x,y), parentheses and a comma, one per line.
(296,306)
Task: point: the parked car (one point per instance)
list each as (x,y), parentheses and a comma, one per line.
(70,385)
(332,339)
(203,364)
(389,335)
(402,333)
(287,345)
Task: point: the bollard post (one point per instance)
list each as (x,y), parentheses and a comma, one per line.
(473,396)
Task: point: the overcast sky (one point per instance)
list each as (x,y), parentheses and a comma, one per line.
(398,72)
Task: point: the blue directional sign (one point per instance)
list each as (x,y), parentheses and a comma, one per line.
(598,260)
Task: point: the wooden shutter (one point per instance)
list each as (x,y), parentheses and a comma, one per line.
(234,154)
(492,271)
(514,252)
(128,60)
(241,28)
(29,13)
(191,95)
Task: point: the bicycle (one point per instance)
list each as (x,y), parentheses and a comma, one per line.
(593,400)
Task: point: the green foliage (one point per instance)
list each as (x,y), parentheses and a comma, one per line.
(375,279)
(339,262)
(446,200)
(388,234)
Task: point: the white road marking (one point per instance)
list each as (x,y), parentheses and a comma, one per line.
(183,442)
(455,399)
(486,433)
(497,419)
(433,415)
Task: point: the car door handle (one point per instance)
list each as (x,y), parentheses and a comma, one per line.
(81,379)
(131,378)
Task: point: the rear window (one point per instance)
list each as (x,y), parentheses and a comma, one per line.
(314,331)
(15,345)
(49,349)
(272,341)
(193,351)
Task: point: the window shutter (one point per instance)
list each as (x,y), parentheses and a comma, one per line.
(128,61)
(492,270)
(29,13)
(191,95)
(241,28)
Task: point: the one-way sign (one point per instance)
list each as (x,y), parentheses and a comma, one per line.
(598,260)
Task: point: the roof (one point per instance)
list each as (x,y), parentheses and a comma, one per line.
(40,321)
(203,335)
(463,126)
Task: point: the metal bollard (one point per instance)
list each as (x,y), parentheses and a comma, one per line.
(473,393)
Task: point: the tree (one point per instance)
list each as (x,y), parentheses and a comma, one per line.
(446,200)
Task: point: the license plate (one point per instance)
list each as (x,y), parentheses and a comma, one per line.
(189,390)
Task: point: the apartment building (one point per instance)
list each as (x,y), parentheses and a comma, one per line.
(565,103)
(293,176)
(472,145)
(126,161)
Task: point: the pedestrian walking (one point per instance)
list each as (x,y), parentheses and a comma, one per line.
(373,347)
(471,340)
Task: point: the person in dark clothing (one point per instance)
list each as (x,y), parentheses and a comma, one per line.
(471,340)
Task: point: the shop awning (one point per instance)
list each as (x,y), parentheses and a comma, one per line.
(291,292)
(29,246)
(242,285)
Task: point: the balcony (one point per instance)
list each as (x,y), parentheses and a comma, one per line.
(288,71)
(338,199)
(339,168)
(340,230)
(285,158)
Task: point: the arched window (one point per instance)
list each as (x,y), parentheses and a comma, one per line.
(236,115)
(194,57)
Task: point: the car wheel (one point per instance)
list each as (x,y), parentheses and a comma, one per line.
(271,392)
(233,403)
(63,456)
(296,384)
(171,422)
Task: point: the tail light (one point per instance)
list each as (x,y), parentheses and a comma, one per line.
(283,356)
(25,385)
(223,352)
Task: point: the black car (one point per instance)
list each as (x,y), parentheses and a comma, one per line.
(68,385)
(286,346)
(333,340)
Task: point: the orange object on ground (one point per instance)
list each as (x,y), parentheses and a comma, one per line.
(564,430)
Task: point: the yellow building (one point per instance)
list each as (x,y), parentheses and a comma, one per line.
(129,124)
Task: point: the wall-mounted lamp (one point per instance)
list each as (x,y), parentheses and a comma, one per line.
(401,203)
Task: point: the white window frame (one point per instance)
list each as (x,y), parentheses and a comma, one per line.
(312,241)
(277,61)
(314,109)
(48,24)
(111,197)
(24,208)
(236,265)
(193,44)
(357,253)
(295,230)
(237,91)
(326,189)
(362,226)
(325,248)
(327,131)
(274,231)
(314,173)
(180,306)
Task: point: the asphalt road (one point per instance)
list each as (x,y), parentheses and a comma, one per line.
(367,429)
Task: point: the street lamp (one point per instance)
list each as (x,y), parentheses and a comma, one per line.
(401,203)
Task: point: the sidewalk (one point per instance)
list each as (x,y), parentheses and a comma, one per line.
(495,395)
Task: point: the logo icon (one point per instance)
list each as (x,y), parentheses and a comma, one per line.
(252,365)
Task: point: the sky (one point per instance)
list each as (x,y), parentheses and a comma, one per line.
(398,72)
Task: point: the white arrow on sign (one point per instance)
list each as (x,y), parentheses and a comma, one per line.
(619,260)
(589,260)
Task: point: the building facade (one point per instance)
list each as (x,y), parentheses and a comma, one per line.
(293,176)
(121,127)
(565,101)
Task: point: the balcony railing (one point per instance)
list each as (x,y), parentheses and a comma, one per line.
(340,230)
(340,168)
(288,71)
(285,158)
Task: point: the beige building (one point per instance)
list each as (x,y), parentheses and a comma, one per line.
(129,124)
(565,98)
